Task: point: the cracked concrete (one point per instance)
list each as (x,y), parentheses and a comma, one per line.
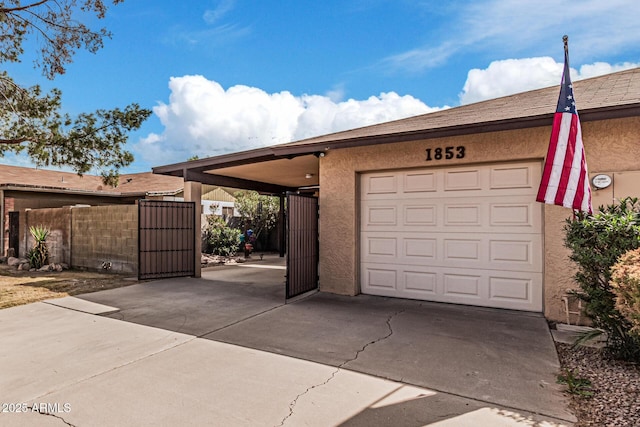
(333,374)
(48,414)
(323,360)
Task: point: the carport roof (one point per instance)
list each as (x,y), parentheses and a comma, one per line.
(283,167)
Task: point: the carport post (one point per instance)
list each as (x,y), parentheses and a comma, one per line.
(193,193)
(281,225)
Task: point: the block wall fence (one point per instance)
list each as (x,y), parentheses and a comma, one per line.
(87,237)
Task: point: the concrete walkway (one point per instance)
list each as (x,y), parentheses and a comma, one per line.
(203,352)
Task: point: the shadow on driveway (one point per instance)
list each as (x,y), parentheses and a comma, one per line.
(502,357)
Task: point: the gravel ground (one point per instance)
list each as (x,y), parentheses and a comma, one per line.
(615,386)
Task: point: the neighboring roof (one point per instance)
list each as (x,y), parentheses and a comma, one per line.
(218,194)
(29,179)
(610,96)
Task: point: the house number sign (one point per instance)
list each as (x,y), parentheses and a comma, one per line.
(446,153)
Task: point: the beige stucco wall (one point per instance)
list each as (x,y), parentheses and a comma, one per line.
(610,146)
(58,221)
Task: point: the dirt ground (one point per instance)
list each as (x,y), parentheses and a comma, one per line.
(23,287)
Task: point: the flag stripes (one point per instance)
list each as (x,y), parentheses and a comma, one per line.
(565,180)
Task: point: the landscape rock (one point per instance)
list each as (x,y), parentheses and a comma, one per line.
(13,261)
(3,259)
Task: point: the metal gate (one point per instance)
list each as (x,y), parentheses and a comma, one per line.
(166,239)
(302,244)
(14,233)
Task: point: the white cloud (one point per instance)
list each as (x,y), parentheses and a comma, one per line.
(596,28)
(510,76)
(204,119)
(211,16)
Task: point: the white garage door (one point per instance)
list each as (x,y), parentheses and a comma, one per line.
(467,235)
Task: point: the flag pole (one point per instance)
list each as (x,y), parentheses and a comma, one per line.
(565,40)
(565,180)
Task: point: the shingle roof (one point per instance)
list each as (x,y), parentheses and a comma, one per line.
(612,92)
(610,96)
(139,183)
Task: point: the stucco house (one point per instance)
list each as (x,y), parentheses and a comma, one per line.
(441,207)
(28,188)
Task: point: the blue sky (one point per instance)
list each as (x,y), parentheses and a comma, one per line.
(229,75)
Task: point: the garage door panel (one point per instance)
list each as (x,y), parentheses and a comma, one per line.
(466,250)
(468,235)
(462,285)
(518,214)
(384,248)
(379,280)
(380,215)
(420,282)
(419,182)
(420,215)
(465,214)
(511,214)
(381,184)
(510,289)
(486,288)
(516,179)
(500,251)
(465,179)
(512,177)
(419,249)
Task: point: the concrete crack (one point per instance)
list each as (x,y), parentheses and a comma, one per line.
(294,402)
(49,414)
(389,319)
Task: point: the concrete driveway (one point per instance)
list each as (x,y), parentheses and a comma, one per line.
(226,350)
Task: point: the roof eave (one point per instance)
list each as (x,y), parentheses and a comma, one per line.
(602,113)
(209,163)
(57,190)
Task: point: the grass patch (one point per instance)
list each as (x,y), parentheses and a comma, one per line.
(24,287)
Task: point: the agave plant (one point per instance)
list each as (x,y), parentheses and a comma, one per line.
(39,253)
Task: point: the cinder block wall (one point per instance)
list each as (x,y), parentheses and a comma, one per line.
(58,221)
(105,234)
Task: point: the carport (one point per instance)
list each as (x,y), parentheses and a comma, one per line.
(442,207)
(291,177)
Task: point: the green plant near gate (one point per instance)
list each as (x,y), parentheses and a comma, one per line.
(221,239)
(39,254)
(596,242)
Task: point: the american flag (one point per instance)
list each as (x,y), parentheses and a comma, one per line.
(565,180)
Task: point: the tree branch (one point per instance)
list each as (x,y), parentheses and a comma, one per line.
(15,141)
(21,8)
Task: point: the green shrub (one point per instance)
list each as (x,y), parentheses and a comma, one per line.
(625,283)
(596,242)
(39,254)
(220,239)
